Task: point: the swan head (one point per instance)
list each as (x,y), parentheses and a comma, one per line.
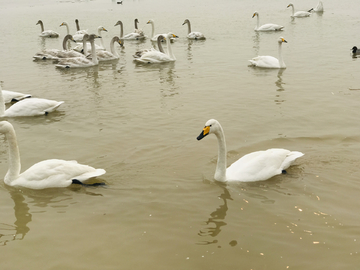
(281,40)
(64,23)
(290,5)
(171,35)
(150,21)
(100,28)
(255,14)
(211,126)
(118,23)
(186,21)
(39,22)
(70,37)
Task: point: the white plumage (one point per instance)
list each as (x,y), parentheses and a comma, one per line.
(191,34)
(266,27)
(298,14)
(47,33)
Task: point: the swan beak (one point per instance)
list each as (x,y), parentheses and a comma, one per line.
(175,36)
(104,29)
(203,133)
(253,15)
(121,43)
(288,6)
(283,40)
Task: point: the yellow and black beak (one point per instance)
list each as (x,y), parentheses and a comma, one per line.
(203,133)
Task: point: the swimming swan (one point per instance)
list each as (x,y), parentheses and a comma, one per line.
(47,33)
(160,38)
(49,173)
(55,54)
(156,57)
(136,35)
(108,56)
(28,107)
(270,61)
(298,14)
(80,46)
(153,36)
(81,62)
(318,8)
(193,35)
(256,166)
(266,27)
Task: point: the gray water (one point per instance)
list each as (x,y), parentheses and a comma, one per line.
(161,208)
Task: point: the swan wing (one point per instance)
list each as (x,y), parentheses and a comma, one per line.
(154,57)
(196,35)
(301,14)
(135,36)
(55,173)
(270,27)
(76,62)
(49,54)
(32,107)
(265,62)
(49,33)
(10,96)
(261,165)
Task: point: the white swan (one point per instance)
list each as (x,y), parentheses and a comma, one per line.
(256,166)
(156,57)
(153,36)
(78,37)
(160,38)
(11,96)
(80,46)
(270,61)
(136,35)
(55,54)
(78,30)
(318,8)
(81,62)
(47,33)
(266,27)
(28,107)
(108,56)
(298,14)
(49,173)
(193,35)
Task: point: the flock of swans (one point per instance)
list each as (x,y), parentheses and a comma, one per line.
(256,166)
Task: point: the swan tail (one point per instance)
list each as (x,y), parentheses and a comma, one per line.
(51,109)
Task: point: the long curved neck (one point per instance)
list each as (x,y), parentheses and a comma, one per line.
(101,40)
(220,173)
(136,27)
(293,9)
(112,47)
(77,25)
(14,157)
(85,48)
(67,29)
(93,52)
(168,45)
(152,29)
(160,45)
(257,21)
(42,26)
(281,60)
(121,30)
(189,27)
(65,43)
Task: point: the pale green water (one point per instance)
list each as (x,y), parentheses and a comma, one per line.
(161,208)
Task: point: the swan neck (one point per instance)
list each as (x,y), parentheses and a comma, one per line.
(189,27)
(152,30)
(112,47)
(67,29)
(85,48)
(101,39)
(14,157)
(220,173)
(136,27)
(281,60)
(65,43)
(293,10)
(257,21)
(77,25)
(93,52)
(121,30)
(168,45)
(42,26)
(160,46)
(2,103)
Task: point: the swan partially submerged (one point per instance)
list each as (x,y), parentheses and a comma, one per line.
(270,61)
(81,62)
(318,8)
(256,166)
(191,34)
(266,27)
(28,107)
(55,54)
(298,14)
(11,96)
(47,33)
(156,57)
(49,173)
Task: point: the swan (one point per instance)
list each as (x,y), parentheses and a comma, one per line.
(80,47)
(155,56)
(81,62)
(270,61)
(49,173)
(160,38)
(318,8)
(108,56)
(193,35)
(28,107)
(55,54)
(78,31)
(153,36)
(121,28)
(78,37)
(256,166)
(137,34)
(268,26)
(11,96)
(47,33)
(298,14)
